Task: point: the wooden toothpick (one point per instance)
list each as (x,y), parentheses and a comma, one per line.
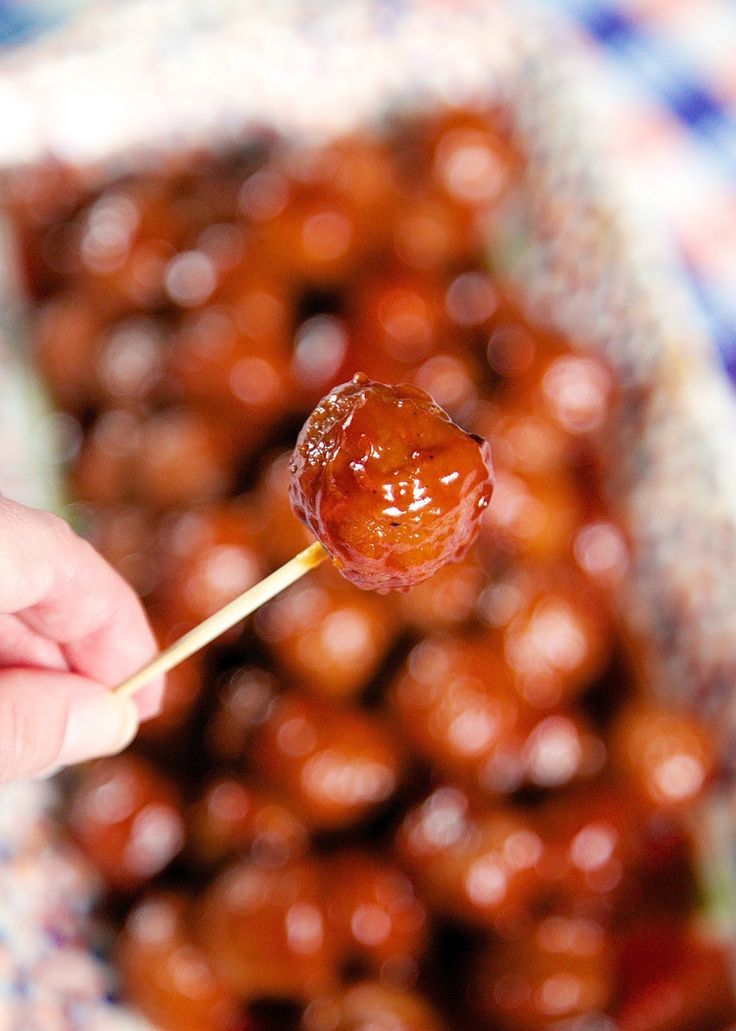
(224,618)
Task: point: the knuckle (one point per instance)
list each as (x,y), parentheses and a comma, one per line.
(58,529)
(17,737)
(55,537)
(24,744)
(59,533)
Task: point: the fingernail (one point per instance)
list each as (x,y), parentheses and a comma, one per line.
(98,724)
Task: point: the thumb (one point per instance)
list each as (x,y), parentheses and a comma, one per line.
(49,718)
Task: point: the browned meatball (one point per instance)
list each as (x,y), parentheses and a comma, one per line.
(128,819)
(334,764)
(264,931)
(166,974)
(388,483)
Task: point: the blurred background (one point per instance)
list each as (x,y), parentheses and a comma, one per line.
(664,71)
(503,801)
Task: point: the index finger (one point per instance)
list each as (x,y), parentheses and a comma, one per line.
(65,591)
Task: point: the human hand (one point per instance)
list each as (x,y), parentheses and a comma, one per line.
(70,627)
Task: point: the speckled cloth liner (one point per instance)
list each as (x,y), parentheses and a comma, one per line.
(178,74)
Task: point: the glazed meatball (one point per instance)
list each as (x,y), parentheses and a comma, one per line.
(388,483)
